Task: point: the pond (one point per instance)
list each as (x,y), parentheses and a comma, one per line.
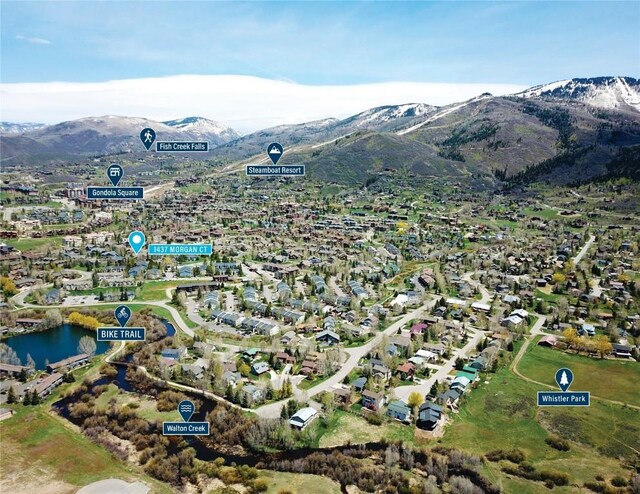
(53,345)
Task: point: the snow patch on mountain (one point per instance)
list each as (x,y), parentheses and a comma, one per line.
(615,93)
(203,126)
(19,127)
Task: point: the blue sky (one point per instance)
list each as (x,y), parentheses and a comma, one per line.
(328,43)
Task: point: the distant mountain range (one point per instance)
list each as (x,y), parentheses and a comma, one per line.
(98,136)
(578,129)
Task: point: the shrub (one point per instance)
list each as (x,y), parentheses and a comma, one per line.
(619,481)
(374,418)
(514,455)
(558,443)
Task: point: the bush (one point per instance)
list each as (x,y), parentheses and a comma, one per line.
(514,455)
(558,443)
(619,481)
(374,418)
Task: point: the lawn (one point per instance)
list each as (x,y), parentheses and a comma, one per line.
(49,456)
(299,483)
(155,290)
(161,312)
(503,415)
(545,213)
(25,244)
(146,408)
(611,379)
(345,428)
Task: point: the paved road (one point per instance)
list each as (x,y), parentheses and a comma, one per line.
(584,250)
(486,296)
(272,410)
(403,392)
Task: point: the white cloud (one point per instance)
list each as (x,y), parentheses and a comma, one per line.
(34,41)
(245,103)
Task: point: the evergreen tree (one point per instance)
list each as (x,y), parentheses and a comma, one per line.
(27,398)
(11,395)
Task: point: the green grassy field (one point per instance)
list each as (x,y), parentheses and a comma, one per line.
(299,483)
(611,379)
(156,290)
(146,407)
(47,455)
(546,213)
(503,415)
(344,428)
(25,244)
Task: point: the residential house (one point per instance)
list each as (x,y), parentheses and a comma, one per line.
(399,410)
(303,417)
(406,370)
(621,351)
(328,337)
(359,384)
(372,400)
(429,415)
(260,368)
(69,363)
(252,392)
(285,358)
(174,353)
(48,384)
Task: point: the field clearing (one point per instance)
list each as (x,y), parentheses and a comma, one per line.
(611,379)
(503,415)
(146,408)
(299,483)
(47,456)
(345,428)
(156,290)
(26,244)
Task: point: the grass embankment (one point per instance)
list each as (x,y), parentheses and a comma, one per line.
(615,380)
(44,454)
(144,407)
(299,483)
(503,415)
(26,244)
(344,428)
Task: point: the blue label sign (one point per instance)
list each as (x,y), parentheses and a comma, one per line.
(564,398)
(180,249)
(564,378)
(120,334)
(185,428)
(123,314)
(148,136)
(275,171)
(182,147)
(115,174)
(275,152)
(117,193)
(186,409)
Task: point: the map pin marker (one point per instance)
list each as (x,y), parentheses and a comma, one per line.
(115,173)
(275,151)
(136,241)
(564,378)
(186,409)
(148,136)
(123,314)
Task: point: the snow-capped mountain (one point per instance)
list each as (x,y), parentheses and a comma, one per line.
(109,134)
(203,126)
(19,127)
(382,114)
(617,93)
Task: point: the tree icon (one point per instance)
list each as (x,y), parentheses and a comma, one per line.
(564,380)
